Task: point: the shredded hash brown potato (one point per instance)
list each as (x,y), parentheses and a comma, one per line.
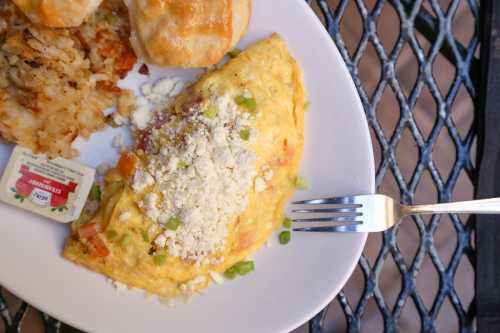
(56,83)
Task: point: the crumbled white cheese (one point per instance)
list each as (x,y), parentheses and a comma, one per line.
(191,284)
(118,142)
(216,277)
(117,285)
(204,174)
(118,119)
(146,88)
(102,169)
(153,229)
(149,204)
(160,241)
(260,184)
(141,117)
(142,179)
(124,216)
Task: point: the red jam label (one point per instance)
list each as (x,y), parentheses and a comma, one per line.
(56,188)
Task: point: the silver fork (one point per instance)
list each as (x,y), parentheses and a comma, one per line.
(376,212)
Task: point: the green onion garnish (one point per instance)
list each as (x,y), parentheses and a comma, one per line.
(301,183)
(145,235)
(285,237)
(231,273)
(126,238)
(245,134)
(307,105)
(247,103)
(95,192)
(160,259)
(244,267)
(211,111)
(287,222)
(234,53)
(182,166)
(111,234)
(173,223)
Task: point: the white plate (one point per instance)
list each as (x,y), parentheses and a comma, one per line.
(290,284)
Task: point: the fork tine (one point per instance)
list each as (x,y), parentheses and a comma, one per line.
(327,210)
(334,228)
(327,201)
(351,218)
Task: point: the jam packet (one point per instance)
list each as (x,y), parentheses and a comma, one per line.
(54,188)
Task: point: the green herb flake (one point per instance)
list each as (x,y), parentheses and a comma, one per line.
(234,53)
(160,259)
(112,235)
(287,222)
(145,235)
(244,267)
(307,105)
(301,183)
(248,103)
(95,192)
(285,237)
(182,165)
(245,134)
(231,273)
(211,111)
(173,223)
(126,238)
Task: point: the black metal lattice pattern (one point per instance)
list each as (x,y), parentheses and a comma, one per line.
(436,28)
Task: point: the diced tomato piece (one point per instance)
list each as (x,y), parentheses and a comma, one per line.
(127,164)
(100,248)
(87,231)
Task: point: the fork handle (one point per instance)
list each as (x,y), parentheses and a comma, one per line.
(484,206)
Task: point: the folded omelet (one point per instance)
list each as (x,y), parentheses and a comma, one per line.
(207,182)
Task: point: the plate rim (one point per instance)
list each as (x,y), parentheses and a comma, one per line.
(333,47)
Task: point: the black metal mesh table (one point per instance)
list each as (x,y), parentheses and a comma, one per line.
(426,29)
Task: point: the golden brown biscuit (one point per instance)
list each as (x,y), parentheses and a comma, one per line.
(190,33)
(58,13)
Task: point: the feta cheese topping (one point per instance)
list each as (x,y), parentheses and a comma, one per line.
(201,175)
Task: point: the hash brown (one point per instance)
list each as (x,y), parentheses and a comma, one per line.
(56,83)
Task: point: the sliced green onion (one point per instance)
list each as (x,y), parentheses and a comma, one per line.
(211,111)
(95,192)
(285,237)
(287,222)
(245,134)
(244,267)
(173,223)
(307,105)
(301,183)
(234,53)
(126,238)
(112,234)
(247,103)
(231,273)
(160,259)
(182,166)
(145,235)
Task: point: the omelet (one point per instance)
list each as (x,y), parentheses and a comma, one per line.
(207,181)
